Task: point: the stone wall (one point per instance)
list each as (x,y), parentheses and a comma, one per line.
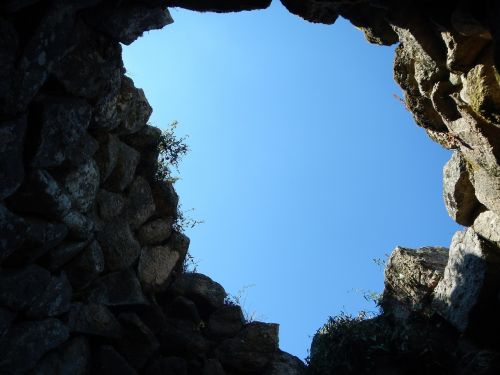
(91,260)
(91,276)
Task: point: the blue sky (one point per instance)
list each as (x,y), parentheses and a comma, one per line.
(303,164)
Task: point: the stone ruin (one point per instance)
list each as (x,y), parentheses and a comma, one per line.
(91,276)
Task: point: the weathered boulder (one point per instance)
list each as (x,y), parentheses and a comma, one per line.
(55,299)
(93,319)
(251,350)
(41,194)
(40,238)
(410,279)
(109,362)
(155,266)
(11,155)
(183,308)
(140,203)
(225,322)
(119,246)
(117,289)
(129,22)
(458,191)
(72,357)
(202,290)
(487,188)
(80,227)
(285,364)
(182,338)
(93,67)
(124,170)
(168,365)
(6,318)
(27,342)
(63,124)
(138,343)
(132,107)
(63,253)
(110,205)
(469,283)
(12,232)
(155,231)
(19,289)
(107,154)
(82,184)
(86,266)
(487,225)
(166,199)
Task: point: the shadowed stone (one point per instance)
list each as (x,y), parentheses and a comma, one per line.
(117,289)
(140,205)
(27,342)
(93,319)
(155,232)
(11,156)
(73,357)
(86,266)
(109,362)
(155,266)
(54,301)
(82,184)
(119,246)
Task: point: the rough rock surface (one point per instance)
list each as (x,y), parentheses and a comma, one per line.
(87,238)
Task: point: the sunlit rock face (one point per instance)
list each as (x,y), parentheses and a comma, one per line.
(91,261)
(447,63)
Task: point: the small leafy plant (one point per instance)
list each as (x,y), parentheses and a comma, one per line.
(171,151)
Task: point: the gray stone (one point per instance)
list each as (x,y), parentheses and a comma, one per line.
(487,189)
(107,154)
(9,49)
(73,357)
(54,301)
(410,279)
(93,67)
(41,194)
(206,293)
(63,123)
(155,267)
(462,51)
(470,279)
(132,107)
(117,289)
(62,254)
(487,225)
(225,322)
(11,156)
(110,204)
(168,365)
(12,232)
(146,138)
(19,289)
(82,184)
(40,237)
(181,337)
(86,267)
(155,232)
(110,362)
(124,170)
(251,350)
(183,308)
(80,227)
(95,320)
(166,199)
(6,318)
(213,367)
(129,22)
(138,343)
(27,342)
(285,364)
(140,205)
(118,244)
(83,150)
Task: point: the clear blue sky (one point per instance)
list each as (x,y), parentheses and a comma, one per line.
(303,165)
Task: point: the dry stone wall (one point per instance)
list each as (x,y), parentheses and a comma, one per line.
(91,262)
(91,277)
